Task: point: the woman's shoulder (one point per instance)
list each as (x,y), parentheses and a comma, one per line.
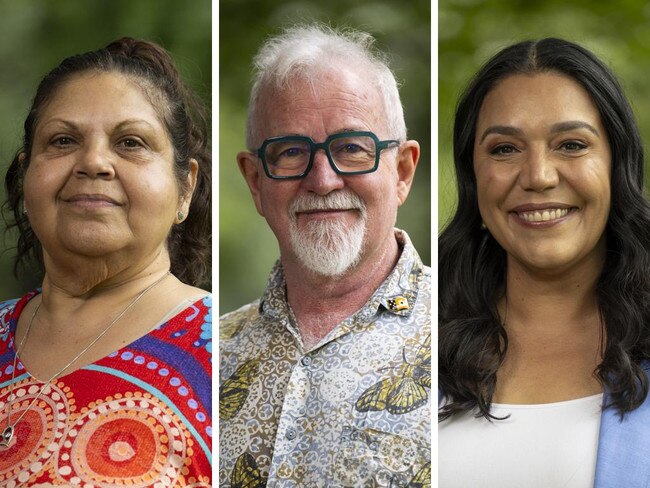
(190,307)
(8,306)
(190,319)
(10,309)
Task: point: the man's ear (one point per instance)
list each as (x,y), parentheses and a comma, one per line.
(407,161)
(252,173)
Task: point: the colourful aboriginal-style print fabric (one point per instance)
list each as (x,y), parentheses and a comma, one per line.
(353,411)
(139,417)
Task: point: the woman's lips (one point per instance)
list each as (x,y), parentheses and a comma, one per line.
(91,201)
(540,215)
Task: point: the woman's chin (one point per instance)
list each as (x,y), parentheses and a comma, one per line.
(554,263)
(96,245)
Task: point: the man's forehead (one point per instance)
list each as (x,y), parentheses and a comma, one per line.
(321,80)
(332,94)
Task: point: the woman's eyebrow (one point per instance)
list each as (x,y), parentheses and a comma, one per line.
(506,130)
(57,120)
(572,125)
(132,122)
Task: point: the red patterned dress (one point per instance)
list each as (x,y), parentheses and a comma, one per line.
(138,417)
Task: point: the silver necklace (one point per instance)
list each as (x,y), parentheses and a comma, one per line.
(8,432)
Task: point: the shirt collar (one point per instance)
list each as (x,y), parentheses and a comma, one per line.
(397,294)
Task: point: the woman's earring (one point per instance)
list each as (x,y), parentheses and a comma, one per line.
(483,226)
(180,216)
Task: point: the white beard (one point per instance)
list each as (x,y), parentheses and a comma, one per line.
(328,247)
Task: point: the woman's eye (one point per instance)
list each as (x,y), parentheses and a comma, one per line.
(131,143)
(62,141)
(573,146)
(503,150)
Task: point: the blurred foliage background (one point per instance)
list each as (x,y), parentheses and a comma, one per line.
(37,35)
(247,247)
(471,31)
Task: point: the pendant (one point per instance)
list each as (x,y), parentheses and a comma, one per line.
(7,435)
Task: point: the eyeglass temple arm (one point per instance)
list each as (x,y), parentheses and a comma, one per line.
(387,144)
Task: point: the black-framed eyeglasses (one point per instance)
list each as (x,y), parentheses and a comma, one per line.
(349,153)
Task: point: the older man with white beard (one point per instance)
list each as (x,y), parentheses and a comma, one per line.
(325,381)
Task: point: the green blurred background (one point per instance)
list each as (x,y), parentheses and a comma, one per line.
(471,31)
(247,248)
(37,35)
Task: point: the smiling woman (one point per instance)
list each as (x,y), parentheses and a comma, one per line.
(544,279)
(105,371)
(555,164)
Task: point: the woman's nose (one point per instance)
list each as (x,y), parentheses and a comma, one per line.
(539,172)
(95,160)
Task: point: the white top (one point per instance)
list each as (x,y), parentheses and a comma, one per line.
(551,445)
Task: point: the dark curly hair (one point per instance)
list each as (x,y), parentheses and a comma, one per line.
(472,265)
(187,125)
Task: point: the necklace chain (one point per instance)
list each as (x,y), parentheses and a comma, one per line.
(7,434)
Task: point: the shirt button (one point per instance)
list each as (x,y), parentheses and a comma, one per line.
(306,361)
(291,434)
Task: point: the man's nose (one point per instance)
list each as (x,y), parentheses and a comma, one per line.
(95,160)
(322,179)
(539,171)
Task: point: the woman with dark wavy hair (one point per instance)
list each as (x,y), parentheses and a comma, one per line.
(105,370)
(544,279)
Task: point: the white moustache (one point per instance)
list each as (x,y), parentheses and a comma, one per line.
(336,200)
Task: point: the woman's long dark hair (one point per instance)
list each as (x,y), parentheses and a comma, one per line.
(472,265)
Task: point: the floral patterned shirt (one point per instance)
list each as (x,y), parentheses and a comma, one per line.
(353,411)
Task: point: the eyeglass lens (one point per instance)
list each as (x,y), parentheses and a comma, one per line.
(350,154)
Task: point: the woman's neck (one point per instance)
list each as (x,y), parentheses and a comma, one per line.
(550,299)
(555,336)
(85,277)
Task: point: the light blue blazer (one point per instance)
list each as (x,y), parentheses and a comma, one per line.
(623,459)
(624,448)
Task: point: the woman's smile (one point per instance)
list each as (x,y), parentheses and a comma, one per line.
(540,216)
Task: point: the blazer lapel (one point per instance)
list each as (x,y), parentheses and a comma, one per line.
(624,448)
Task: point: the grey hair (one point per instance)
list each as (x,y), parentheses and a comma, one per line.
(303,50)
